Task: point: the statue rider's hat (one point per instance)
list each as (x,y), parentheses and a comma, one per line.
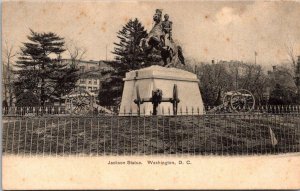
(158,11)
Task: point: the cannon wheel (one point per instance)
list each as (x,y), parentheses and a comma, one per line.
(242,101)
(79,102)
(175,99)
(138,99)
(226,100)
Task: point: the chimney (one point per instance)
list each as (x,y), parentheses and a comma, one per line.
(274,68)
(213,61)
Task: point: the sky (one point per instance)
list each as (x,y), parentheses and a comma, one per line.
(216,30)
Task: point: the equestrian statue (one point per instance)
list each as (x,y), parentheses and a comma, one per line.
(160,38)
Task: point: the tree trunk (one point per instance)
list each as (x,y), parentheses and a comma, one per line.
(8,83)
(218,100)
(42,98)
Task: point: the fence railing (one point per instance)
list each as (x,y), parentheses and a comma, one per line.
(265,109)
(113,110)
(56,110)
(217,134)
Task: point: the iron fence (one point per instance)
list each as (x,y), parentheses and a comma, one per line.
(54,110)
(216,134)
(263,109)
(114,110)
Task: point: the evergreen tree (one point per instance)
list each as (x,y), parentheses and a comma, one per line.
(127,51)
(112,85)
(128,57)
(40,69)
(63,79)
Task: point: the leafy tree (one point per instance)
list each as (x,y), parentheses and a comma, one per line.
(40,70)
(250,77)
(27,98)
(281,95)
(214,81)
(283,89)
(218,78)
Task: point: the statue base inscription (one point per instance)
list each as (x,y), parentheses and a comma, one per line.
(173,83)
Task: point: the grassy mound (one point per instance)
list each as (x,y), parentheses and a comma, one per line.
(112,135)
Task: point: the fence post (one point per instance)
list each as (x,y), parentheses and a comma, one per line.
(194,133)
(13,138)
(163,137)
(71,135)
(44,142)
(19,135)
(144,135)
(111,134)
(7,136)
(25,140)
(32,126)
(84,132)
(156,134)
(118,135)
(64,138)
(97,136)
(130,134)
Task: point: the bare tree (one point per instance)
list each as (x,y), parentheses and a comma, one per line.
(292,54)
(75,51)
(290,50)
(8,55)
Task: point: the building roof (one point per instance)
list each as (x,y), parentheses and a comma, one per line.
(87,61)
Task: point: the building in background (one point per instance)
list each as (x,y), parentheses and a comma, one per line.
(89,74)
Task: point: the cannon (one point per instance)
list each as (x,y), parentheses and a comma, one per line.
(156,99)
(79,102)
(236,101)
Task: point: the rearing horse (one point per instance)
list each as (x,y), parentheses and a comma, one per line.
(170,51)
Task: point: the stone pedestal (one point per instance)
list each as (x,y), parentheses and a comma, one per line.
(157,77)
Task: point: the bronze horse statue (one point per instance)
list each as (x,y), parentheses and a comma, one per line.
(170,52)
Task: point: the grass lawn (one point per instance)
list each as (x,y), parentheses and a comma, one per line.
(113,135)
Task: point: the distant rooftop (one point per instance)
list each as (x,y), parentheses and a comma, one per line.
(87,61)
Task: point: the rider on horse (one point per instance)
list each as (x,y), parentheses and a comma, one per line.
(167,28)
(157,39)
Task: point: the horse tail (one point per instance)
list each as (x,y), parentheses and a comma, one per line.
(180,55)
